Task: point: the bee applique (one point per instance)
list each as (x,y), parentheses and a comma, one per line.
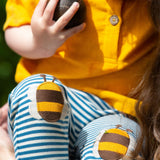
(113,143)
(50,100)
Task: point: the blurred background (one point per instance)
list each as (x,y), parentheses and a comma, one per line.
(8,61)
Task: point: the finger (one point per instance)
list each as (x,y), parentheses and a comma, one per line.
(3,113)
(5,126)
(74,30)
(5,106)
(66,17)
(49,10)
(5,139)
(39,10)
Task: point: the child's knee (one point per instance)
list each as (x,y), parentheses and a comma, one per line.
(112,144)
(49,100)
(42,98)
(46,98)
(108,137)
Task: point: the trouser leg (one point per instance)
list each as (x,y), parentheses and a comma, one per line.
(39,131)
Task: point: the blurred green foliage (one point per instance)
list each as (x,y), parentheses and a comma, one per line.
(8,61)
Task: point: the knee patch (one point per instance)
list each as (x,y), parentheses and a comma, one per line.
(109,137)
(49,101)
(113,144)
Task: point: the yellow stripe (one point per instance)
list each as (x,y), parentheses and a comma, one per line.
(49,106)
(49,86)
(118,131)
(114,147)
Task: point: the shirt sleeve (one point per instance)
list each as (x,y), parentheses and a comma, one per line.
(19,12)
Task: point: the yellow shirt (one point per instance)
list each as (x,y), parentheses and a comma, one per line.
(105,59)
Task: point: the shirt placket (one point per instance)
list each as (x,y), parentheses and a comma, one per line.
(113,25)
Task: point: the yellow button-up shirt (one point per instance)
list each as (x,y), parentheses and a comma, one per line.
(107,59)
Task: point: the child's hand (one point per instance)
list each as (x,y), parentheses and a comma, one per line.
(44,36)
(48,34)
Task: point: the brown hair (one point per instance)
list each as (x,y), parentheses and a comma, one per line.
(148,107)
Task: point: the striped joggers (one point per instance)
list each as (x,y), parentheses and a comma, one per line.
(62,123)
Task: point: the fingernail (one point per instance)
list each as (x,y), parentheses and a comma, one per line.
(83,26)
(76,4)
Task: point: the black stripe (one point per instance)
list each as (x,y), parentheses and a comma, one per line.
(115,138)
(50,116)
(106,155)
(49,96)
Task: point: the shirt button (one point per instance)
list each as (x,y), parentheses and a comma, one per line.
(114,20)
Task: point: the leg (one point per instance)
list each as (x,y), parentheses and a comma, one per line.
(85,108)
(35,133)
(108,137)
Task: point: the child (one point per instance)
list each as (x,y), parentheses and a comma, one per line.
(107,59)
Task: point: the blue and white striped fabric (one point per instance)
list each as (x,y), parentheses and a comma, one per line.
(35,139)
(86,142)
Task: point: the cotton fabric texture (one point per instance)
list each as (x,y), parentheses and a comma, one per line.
(83,118)
(106,60)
